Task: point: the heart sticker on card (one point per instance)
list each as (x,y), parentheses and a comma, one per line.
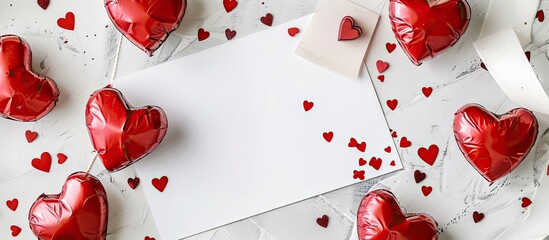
(348,30)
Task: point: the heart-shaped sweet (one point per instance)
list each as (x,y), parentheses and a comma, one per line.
(348,30)
(120,134)
(24,96)
(146,23)
(425,31)
(494,144)
(80,211)
(380,217)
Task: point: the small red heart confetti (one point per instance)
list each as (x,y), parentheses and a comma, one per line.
(230,34)
(67,22)
(43,3)
(30,135)
(404,142)
(308,105)
(203,34)
(419,176)
(427,91)
(426,190)
(477,217)
(43,163)
(358,174)
(133,182)
(61,158)
(394,135)
(392,104)
(526,202)
(390,47)
(393,163)
(149,238)
(15,230)
(540,15)
(381,66)
(323,221)
(12,204)
(267,19)
(229,5)
(361,162)
(352,143)
(361,147)
(381,78)
(293,31)
(348,30)
(375,163)
(328,136)
(387,149)
(428,155)
(160,183)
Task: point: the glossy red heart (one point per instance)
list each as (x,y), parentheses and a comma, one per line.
(525,202)
(12,204)
(361,146)
(203,34)
(308,105)
(267,19)
(348,30)
(328,136)
(494,144)
(540,15)
(390,47)
(361,162)
(427,91)
(24,96)
(382,66)
(120,134)
(375,163)
(293,31)
(428,155)
(80,211)
(133,182)
(323,221)
(392,104)
(15,230)
(404,142)
(146,23)
(43,163)
(426,190)
(61,158)
(30,136)
(380,217)
(230,34)
(419,176)
(43,3)
(160,183)
(67,22)
(229,5)
(425,31)
(477,217)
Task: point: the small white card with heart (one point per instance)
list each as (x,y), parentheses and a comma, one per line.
(252,127)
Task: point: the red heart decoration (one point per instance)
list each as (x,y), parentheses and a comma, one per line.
(375,163)
(394,135)
(392,104)
(352,143)
(381,66)
(160,183)
(426,190)
(15,230)
(328,136)
(393,163)
(61,158)
(133,182)
(494,144)
(477,217)
(425,31)
(24,96)
(348,30)
(43,3)
(404,142)
(390,47)
(145,23)
(380,217)
(43,163)
(120,134)
(540,15)
(361,147)
(230,34)
(12,204)
(419,176)
(267,19)
(229,5)
(525,202)
(361,162)
(428,155)
(293,31)
(67,22)
(427,91)
(149,238)
(308,105)
(30,136)
(203,34)
(80,211)
(387,149)
(323,221)
(358,174)
(381,78)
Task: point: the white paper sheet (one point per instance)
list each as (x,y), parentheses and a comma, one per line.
(239,142)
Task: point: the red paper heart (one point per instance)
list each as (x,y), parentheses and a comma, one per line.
(358,174)
(160,183)
(323,221)
(133,182)
(525,202)
(477,217)
(12,204)
(120,134)
(229,5)
(392,104)
(30,135)
(428,155)
(381,78)
(43,3)
(203,34)
(394,135)
(328,136)
(146,24)
(393,163)
(494,144)
(404,142)
(352,143)
(80,211)
(427,91)
(381,66)
(149,238)
(375,163)
(419,176)
(67,22)
(390,47)
(387,149)
(380,217)
(230,34)
(15,230)
(361,147)
(293,31)
(425,31)
(361,162)
(308,105)
(540,15)
(24,96)
(43,163)
(267,19)
(61,158)
(348,30)
(426,190)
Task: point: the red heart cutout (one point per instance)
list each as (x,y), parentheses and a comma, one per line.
(381,78)
(149,238)
(540,15)
(419,176)
(160,183)
(67,22)
(80,211)
(358,174)
(375,163)
(525,202)
(394,135)
(24,96)
(380,217)
(203,34)
(428,155)
(348,30)
(308,105)
(323,221)
(328,136)
(229,5)
(404,142)
(361,147)
(30,136)
(293,31)
(120,134)
(12,204)
(392,104)
(61,158)
(145,23)
(352,143)
(43,3)
(381,66)
(361,162)
(390,47)
(494,144)
(393,163)
(133,182)
(426,190)
(43,163)
(267,19)
(425,31)
(427,91)
(387,149)
(230,34)
(15,230)
(477,217)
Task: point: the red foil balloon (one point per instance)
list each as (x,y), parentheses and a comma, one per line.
(79,212)
(494,144)
(425,31)
(24,96)
(146,23)
(380,218)
(121,134)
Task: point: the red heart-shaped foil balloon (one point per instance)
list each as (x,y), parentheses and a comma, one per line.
(24,96)
(122,135)
(494,144)
(146,23)
(425,31)
(80,211)
(380,218)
